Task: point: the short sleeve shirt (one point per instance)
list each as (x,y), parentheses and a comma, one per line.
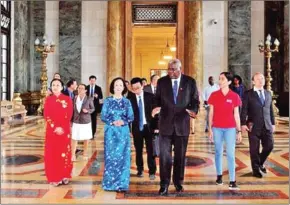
(223,108)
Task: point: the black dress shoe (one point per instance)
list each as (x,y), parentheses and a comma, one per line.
(263,169)
(257,174)
(139,174)
(179,188)
(163,191)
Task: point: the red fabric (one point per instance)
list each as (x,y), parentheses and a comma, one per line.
(223,108)
(57,154)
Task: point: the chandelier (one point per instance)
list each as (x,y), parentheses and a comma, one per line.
(173,46)
(167,55)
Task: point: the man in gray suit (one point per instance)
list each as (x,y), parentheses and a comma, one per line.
(151,88)
(257,118)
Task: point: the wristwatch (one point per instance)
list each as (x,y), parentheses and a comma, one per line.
(239,131)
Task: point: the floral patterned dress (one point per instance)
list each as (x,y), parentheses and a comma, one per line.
(117,147)
(57,153)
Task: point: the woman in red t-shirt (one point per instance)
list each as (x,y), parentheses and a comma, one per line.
(224,125)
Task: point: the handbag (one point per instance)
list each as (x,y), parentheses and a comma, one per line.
(155,143)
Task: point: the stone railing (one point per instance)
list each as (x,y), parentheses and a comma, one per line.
(10,110)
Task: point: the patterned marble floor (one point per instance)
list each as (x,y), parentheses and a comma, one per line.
(23,179)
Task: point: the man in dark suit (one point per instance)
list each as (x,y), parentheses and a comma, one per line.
(257,118)
(151,88)
(96,92)
(177,100)
(142,103)
(71,87)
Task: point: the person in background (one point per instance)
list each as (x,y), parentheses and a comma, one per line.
(237,86)
(117,114)
(58,112)
(55,76)
(224,125)
(153,85)
(144,81)
(71,87)
(96,93)
(212,87)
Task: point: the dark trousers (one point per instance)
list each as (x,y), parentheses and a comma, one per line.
(94,122)
(165,159)
(266,138)
(139,144)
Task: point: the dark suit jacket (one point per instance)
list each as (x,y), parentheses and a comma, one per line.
(148,88)
(83,118)
(66,92)
(98,91)
(148,104)
(255,114)
(173,117)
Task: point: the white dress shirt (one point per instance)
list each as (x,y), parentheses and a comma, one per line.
(178,83)
(152,87)
(79,103)
(92,87)
(209,90)
(258,91)
(143,105)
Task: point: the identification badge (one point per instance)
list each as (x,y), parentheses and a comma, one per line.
(229,101)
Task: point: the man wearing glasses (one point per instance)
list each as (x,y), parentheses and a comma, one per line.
(177,101)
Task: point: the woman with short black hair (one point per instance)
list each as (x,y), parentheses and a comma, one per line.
(117,114)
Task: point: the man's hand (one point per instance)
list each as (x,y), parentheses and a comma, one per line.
(95,95)
(273,128)
(210,135)
(155,111)
(239,137)
(245,128)
(191,113)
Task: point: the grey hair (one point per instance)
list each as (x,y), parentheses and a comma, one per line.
(175,62)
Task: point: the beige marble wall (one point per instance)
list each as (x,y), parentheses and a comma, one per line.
(52,32)
(215,56)
(257,34)
(94,42)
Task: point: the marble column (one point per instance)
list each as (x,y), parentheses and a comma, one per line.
(21,46)
(52,32)
(70,40)
(37,27)
(193,41)
(128,40)
(239,41)
(257,34)
(115,41)
(286,47)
